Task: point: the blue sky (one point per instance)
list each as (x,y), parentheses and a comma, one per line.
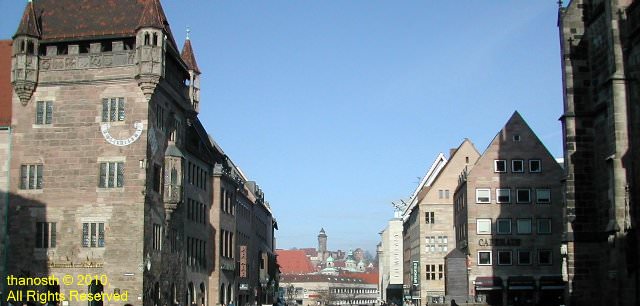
(337,108)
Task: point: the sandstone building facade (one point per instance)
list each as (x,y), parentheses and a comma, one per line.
(428,225)
(112,173)
(599,46)
(508,221)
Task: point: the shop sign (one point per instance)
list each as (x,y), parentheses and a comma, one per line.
(499,242)
(415,270)
(244,286)
(243,261)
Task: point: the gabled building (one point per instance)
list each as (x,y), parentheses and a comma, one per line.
(508,221)
(428,225)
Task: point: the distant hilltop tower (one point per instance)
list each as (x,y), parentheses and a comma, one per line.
(322,246)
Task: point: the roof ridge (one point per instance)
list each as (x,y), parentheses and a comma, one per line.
(29,22)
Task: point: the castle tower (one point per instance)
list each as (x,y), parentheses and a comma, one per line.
(194,74)
(322,245)
(150,47)
(24,59)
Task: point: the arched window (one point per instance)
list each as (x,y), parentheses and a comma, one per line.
(30,47)
(203,301)
(155,39)
(146,38)
(95,287)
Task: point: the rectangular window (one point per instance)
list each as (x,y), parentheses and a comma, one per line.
(517,165)
(430,217)
(483,195)
(93,235)
(535,165)
(503,226)
(431,272)
(524,226)
(44,112)
(440,194)
(500,165)
(503,195)
(31,176)
(504,257)
(157,237)
(440,271)
(544,226)
(113,109)
(111,175)
(543,196)
(524,257)
(484,258)
(523,196)
(483,226)
(45,235)
(545,257)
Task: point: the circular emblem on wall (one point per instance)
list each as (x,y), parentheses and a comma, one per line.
(104,128)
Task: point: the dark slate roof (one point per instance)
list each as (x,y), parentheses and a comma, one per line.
(28,23)
(88,19)
(455,253)
(188,57)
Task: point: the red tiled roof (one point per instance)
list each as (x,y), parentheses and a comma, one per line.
(369,278)
(188,56)
(85,19)
(294,261)
(6,90)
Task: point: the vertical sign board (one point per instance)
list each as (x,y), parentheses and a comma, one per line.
(243,261)
(414,273)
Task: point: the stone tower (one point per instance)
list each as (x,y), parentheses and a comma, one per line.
(322,245)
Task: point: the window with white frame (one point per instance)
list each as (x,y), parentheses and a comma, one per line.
(442,244)
(45,235)
(113,109)
(500,165)
(544,226)
(545,257)
(543,196)
(31,176)
(111,175)
(484,258)
(93,235)
(523,196)
(44,112)
(483,195)
(503,195)
(504,257)
(483,226)
(535,165)
(503,226)
(523,226)
(524,257)
(517,165)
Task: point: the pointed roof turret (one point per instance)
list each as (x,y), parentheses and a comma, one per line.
(152,15)
(188,57)
(29,23)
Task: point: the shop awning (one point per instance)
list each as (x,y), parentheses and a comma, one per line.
(521,283)
(488,283)
(551,283)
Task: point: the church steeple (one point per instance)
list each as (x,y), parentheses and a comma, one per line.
(194,73)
